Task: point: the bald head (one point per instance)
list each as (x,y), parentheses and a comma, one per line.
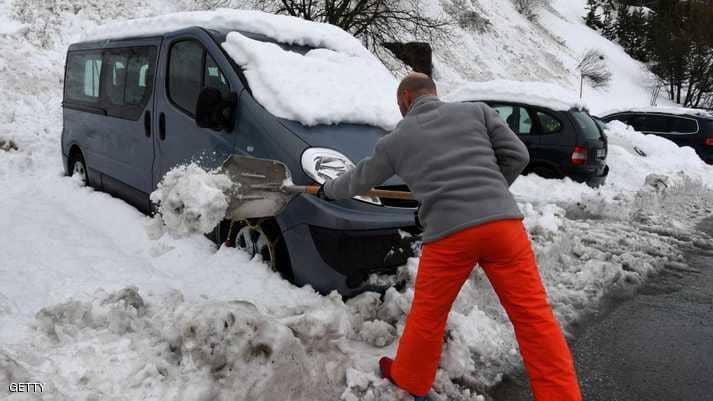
(413,86)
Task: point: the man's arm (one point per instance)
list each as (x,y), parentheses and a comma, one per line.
(511,153)
(369,172)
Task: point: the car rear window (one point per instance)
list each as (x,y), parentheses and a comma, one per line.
(585,123)
(683,125)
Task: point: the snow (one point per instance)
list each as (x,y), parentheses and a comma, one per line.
(281,28)
(543,94)
(96,309)
(320,87)
(681,111)
(192,200)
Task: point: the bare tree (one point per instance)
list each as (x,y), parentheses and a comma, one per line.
(528,8)
(593,67)
(375,22)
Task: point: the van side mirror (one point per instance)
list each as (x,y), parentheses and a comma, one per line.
(215,111)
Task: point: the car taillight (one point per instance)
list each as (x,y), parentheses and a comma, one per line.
(709,141)
(579,156)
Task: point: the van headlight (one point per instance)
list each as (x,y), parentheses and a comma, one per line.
(322,164)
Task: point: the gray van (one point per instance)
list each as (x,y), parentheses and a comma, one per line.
(137,106)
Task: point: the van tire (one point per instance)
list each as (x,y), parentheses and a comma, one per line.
(78,166)
(262,236)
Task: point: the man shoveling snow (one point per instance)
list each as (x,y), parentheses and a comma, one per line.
(459,159)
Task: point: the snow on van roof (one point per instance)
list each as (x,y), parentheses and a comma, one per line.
(337,81)
(282,28)
(542,94)
(682,111)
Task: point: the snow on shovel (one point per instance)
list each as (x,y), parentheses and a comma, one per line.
(263,187)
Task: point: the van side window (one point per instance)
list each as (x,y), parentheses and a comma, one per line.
(184,74)
(214,78)
(129,80)
(191,69)
(83,73)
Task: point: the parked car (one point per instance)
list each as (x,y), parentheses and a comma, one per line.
(564,142)
(684,127)
(131,112)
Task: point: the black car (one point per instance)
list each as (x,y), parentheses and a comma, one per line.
(684,127)
(562,143)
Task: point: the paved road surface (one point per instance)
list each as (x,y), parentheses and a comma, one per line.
(657,346)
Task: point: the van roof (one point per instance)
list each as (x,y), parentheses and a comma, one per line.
(279,28)
(218,34)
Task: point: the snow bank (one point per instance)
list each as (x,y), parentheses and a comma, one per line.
(542,94)
(629,168)
(320,87)
(191,199)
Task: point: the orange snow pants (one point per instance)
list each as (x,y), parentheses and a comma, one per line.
(503,249)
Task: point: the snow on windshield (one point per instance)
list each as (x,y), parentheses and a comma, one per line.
(339,81)
(543,94)
(320,87)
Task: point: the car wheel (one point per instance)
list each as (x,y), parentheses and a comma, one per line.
(78,167)
(262,238)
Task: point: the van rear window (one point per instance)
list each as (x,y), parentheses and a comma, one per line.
(586,125)
(83,77)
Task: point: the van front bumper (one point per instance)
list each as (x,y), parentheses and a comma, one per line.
(337,245)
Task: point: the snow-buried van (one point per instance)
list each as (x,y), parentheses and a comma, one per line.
(304,93)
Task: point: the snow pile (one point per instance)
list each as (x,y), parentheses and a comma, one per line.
(191,199)
(629,168)
(320,87)
(543,94)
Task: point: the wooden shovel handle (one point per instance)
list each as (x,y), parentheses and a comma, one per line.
(375,193)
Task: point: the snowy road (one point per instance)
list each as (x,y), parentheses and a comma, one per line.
(652,347)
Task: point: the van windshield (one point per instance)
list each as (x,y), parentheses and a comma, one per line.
(587,125)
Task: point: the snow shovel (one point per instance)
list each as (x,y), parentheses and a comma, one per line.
(263,187)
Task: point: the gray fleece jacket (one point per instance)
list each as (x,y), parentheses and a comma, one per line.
(458,159)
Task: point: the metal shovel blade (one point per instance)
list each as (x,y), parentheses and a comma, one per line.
(257,187)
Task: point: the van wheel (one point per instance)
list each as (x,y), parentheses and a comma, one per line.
(262,238)
(545,172)
(78,167)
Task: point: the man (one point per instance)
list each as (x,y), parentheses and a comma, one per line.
(459,159)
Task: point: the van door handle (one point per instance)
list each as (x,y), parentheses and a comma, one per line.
(162,126)
(147,123)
